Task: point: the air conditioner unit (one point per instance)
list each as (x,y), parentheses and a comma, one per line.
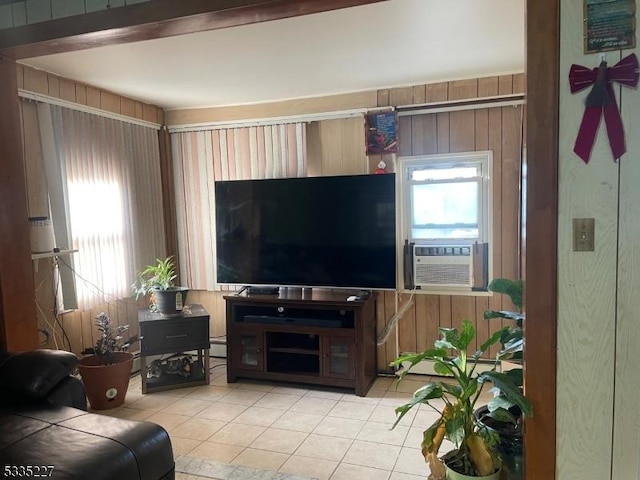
(442,266)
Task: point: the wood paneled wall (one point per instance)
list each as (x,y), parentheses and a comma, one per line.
(496,129)
(17,309)
(75,330)
(338,147)
(38,81)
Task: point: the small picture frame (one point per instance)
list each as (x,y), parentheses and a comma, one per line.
(609,25)
(381,132)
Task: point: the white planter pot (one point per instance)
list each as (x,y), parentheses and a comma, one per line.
(451,475)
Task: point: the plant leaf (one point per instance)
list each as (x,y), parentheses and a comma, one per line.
(454,390)
(429,435)
(503,415)
(441,368)
(512,288)
(497,335)
(455,429)
(498,402)
(444,344)
(515,316)
(425,393)
(451,336)
(467,334)
(509,389)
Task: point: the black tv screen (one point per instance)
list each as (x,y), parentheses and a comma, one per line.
(331,231)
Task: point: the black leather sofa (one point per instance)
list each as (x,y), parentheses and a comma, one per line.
(45,430)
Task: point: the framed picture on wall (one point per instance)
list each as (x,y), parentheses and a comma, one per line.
(381,132)
(609,25)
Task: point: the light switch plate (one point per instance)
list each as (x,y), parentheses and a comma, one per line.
(584,234)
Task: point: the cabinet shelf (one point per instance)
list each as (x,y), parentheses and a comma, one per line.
(297,351)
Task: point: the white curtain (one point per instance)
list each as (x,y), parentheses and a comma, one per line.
(109,175)
(200,158)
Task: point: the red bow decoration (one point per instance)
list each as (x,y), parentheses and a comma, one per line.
(602,99)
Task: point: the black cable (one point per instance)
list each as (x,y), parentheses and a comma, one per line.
(102,294)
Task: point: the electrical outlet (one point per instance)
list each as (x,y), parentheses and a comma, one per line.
(584,234)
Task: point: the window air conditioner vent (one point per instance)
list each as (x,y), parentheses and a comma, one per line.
(440,266)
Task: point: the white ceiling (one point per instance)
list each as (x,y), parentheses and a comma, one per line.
(388,44)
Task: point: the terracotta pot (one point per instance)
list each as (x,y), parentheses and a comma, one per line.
(106,385)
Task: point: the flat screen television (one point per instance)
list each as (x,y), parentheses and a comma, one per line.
(330,231)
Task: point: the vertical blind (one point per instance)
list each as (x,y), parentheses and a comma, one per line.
(201,158)
(110,174)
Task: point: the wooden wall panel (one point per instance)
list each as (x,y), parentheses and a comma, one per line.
(336,147)
(626,432)
(332,103)
(496,129)
(38,81)
(587,285)
(67,90)
(54,85)
(93,97)
(81,94)
(79,326)
(18,330)
(109,102)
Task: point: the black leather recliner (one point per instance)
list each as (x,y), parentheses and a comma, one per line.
(44,425)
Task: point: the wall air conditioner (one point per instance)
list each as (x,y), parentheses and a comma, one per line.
(442,266)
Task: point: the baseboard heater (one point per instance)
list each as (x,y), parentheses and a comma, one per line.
(218,347)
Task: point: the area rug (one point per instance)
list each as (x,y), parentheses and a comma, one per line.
(225,471)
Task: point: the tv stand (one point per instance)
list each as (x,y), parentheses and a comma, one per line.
(318,338)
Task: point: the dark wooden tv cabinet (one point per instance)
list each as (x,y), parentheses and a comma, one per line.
(311,336)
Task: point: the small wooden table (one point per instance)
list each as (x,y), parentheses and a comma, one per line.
(175,334)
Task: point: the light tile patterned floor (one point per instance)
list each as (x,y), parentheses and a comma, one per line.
(297,430)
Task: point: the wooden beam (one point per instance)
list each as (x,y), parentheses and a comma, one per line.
(17,306)
(541,264)
(149,20)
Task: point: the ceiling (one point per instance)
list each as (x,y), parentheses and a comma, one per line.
(381,45)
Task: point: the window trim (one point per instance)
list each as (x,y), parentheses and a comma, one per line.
(485,201)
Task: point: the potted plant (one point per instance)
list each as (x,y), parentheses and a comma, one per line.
(455,401)
(105,373)
(513,339)
(157,280)
(500,415)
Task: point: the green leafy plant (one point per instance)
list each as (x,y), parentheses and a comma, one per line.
(513,338)
(155,277)
(500,408)
(455,400)
(110,340)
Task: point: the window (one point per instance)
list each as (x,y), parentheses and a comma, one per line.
(446,204)
(106,187)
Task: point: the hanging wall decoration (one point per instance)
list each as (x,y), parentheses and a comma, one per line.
(381,131)
(609,25)
(602,101)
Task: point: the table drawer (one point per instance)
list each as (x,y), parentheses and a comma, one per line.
(165,336)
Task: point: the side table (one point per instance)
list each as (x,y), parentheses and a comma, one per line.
(174,334)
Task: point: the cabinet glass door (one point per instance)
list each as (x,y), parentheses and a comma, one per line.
(338,358)
(251,350)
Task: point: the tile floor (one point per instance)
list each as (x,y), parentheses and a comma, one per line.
(301,430)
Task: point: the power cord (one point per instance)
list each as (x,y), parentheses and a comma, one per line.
(384,336)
